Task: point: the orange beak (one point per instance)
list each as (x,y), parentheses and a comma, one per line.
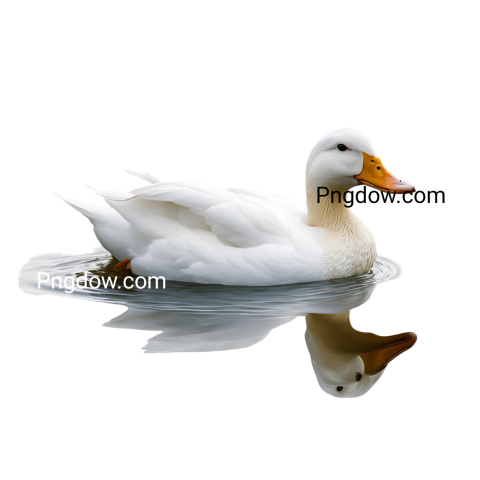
(375,175)
(382,350)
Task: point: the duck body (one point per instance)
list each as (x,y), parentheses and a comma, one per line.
(192,232)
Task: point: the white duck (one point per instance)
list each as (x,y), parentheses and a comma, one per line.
(193,232)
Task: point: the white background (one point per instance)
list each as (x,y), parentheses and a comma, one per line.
(236,94)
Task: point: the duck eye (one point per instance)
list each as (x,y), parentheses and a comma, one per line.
(358,377)
(339,389)
(341,147)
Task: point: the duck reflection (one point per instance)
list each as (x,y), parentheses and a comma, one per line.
(347,362)
(203,318)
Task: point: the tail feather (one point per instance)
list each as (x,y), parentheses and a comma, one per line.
(144,176)
(117,196)
(92,212)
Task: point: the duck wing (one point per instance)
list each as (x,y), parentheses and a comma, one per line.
(282,203)
(168,209)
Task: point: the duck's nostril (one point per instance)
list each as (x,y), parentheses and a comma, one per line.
(358,377)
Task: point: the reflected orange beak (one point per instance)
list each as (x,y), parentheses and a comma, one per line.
(375,175)
(385,350)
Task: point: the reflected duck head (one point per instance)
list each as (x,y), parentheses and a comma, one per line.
(347,362)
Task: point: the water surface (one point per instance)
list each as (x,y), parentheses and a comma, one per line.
(199,318)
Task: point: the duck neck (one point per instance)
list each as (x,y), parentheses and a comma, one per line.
(335,333)
(347,243)
(329,211)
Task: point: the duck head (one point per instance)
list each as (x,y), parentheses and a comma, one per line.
(347,362)
(344,159)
